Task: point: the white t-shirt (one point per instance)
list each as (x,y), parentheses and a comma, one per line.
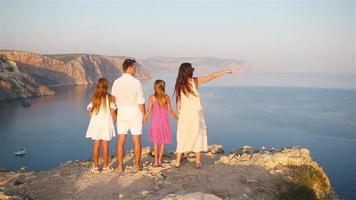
(127,91)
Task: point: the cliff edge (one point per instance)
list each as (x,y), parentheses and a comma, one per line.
(289,173)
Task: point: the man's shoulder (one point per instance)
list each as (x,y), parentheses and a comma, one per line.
(136,80)
(118,79)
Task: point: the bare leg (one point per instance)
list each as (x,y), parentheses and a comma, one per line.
(105,149)
(121,139)
(136,140)
(161,151)
(197,160)
(197,157)
(155,150)
(96,148)
(178,157)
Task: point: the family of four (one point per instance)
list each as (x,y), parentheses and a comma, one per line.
(125,106)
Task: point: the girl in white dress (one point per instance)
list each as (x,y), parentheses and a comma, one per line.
(101,126)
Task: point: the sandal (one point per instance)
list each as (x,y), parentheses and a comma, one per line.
(198,165)
(120,170)
(137,168)
(176,164)
(95,170)
(155,165)
(107,169)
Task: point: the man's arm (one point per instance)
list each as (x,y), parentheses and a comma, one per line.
(142,108)
(141,98)
(114,89)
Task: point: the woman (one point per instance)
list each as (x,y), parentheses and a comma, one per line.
(191,128)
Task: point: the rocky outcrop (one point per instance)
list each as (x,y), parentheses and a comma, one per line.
(294,162)
(15,84)
(68,69)
(289,173)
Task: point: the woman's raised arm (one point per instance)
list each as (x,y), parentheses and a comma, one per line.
(212,76)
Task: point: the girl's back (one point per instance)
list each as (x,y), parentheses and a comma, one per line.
(101,126)
(160,130)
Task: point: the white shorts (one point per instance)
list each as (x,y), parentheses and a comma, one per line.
(129,120)
(134,126)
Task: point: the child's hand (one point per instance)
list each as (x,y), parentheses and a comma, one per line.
(144,120)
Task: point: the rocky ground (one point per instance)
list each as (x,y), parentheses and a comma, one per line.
(246,173)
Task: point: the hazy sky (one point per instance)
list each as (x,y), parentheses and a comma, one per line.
(279,36)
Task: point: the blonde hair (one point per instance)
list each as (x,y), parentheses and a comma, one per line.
(99,96)
(161,96)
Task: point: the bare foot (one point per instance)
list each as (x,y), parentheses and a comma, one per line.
(176,164)
(137,168)
(107,169)
(155,164)
(120,169)
(95,169)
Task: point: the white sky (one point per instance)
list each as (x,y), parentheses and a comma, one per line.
(278,36)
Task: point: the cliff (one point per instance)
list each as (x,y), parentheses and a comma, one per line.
(66,69)
(289,173)
(15,84)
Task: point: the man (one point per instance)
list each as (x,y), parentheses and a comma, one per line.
(131,109)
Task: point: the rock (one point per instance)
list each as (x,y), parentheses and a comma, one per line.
(216,149)
(23,169)
(244,197)
(197,195)
(244,176)
(284,161)
(6,197)
(16,84)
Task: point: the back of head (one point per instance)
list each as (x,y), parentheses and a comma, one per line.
(159,88)
(101,90)
(127,64)
(182,83)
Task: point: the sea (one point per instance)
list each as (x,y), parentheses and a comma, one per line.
(315,111)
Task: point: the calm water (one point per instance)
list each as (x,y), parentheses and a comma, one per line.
(52,130)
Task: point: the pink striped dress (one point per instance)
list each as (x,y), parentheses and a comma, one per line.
(160,130)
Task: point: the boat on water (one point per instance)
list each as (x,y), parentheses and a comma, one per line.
(26,103)
(20,152)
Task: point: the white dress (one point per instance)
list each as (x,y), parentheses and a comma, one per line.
(191,127)
(101,126)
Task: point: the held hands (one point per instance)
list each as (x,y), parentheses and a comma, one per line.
(144,119)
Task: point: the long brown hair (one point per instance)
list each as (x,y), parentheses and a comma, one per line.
(160,94)
(182,83)
(99,96)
